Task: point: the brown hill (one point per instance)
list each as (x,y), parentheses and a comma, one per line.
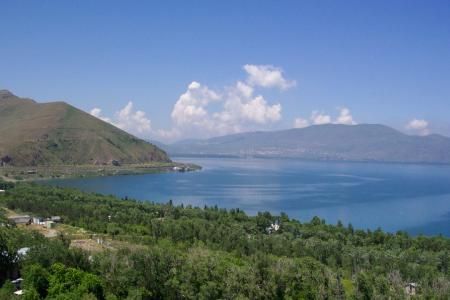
(57,133)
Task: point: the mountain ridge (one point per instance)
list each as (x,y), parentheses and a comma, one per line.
(364,142)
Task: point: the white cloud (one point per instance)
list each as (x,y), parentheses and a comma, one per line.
(240,106)
(300,123)
(320,118)
(190,109)
(345,117)
(133,121)
(257,110)
(97,112)
(267,76)
(419,126)
(127,119)
(204,112)
(245,89)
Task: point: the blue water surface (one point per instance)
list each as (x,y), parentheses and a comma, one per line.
(415,198)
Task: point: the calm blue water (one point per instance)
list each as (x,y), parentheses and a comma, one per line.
(394,197)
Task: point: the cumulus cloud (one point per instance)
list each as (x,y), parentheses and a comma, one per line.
(191,106)
(418,126)
(206,112)
(134,121)
(318,118)
(257,110)
(241,106)
(127,119)
(97,112)
(244,89)
(300,123)
(345,117)
(267,76)
(202,112)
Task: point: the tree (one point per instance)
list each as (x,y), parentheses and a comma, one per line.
(7,258)
(36,278)
(7,290)
(364,285)
(31,294)
(73,283)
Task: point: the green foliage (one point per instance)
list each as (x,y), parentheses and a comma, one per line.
(212,253)
(31,294)
(36,279)
(7,290)
(6,185)
(7,257)
(73,283)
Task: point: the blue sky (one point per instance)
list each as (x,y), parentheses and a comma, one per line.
(203,68)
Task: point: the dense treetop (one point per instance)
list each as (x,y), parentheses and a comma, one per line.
(211,253)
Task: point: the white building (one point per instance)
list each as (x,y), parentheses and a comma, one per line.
(55,219)
(49,224)
(25,219)
(38,221)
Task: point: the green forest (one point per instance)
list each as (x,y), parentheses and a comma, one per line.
(185,252)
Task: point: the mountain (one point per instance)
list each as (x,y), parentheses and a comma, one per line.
(365,142)
(57,133)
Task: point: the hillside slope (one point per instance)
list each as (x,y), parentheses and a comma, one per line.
(365,142)
(57,133)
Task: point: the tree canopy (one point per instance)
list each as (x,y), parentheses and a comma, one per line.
(185,252)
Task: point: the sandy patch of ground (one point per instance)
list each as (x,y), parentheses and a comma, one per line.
(88,245)
(48,233)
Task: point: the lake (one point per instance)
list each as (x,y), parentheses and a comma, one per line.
(415,198)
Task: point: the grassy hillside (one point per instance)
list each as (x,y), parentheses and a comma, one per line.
(57,133)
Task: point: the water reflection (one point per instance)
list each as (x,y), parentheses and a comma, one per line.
(392,196)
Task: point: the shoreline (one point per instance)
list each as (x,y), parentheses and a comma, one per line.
(303,159)
(36,173)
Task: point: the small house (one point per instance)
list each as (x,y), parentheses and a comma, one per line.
(25,219)
(49,224)
(38,220)
(2,191)
(411,288)
(56,219)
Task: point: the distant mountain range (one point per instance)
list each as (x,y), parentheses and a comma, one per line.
(365,142)
(57,133)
